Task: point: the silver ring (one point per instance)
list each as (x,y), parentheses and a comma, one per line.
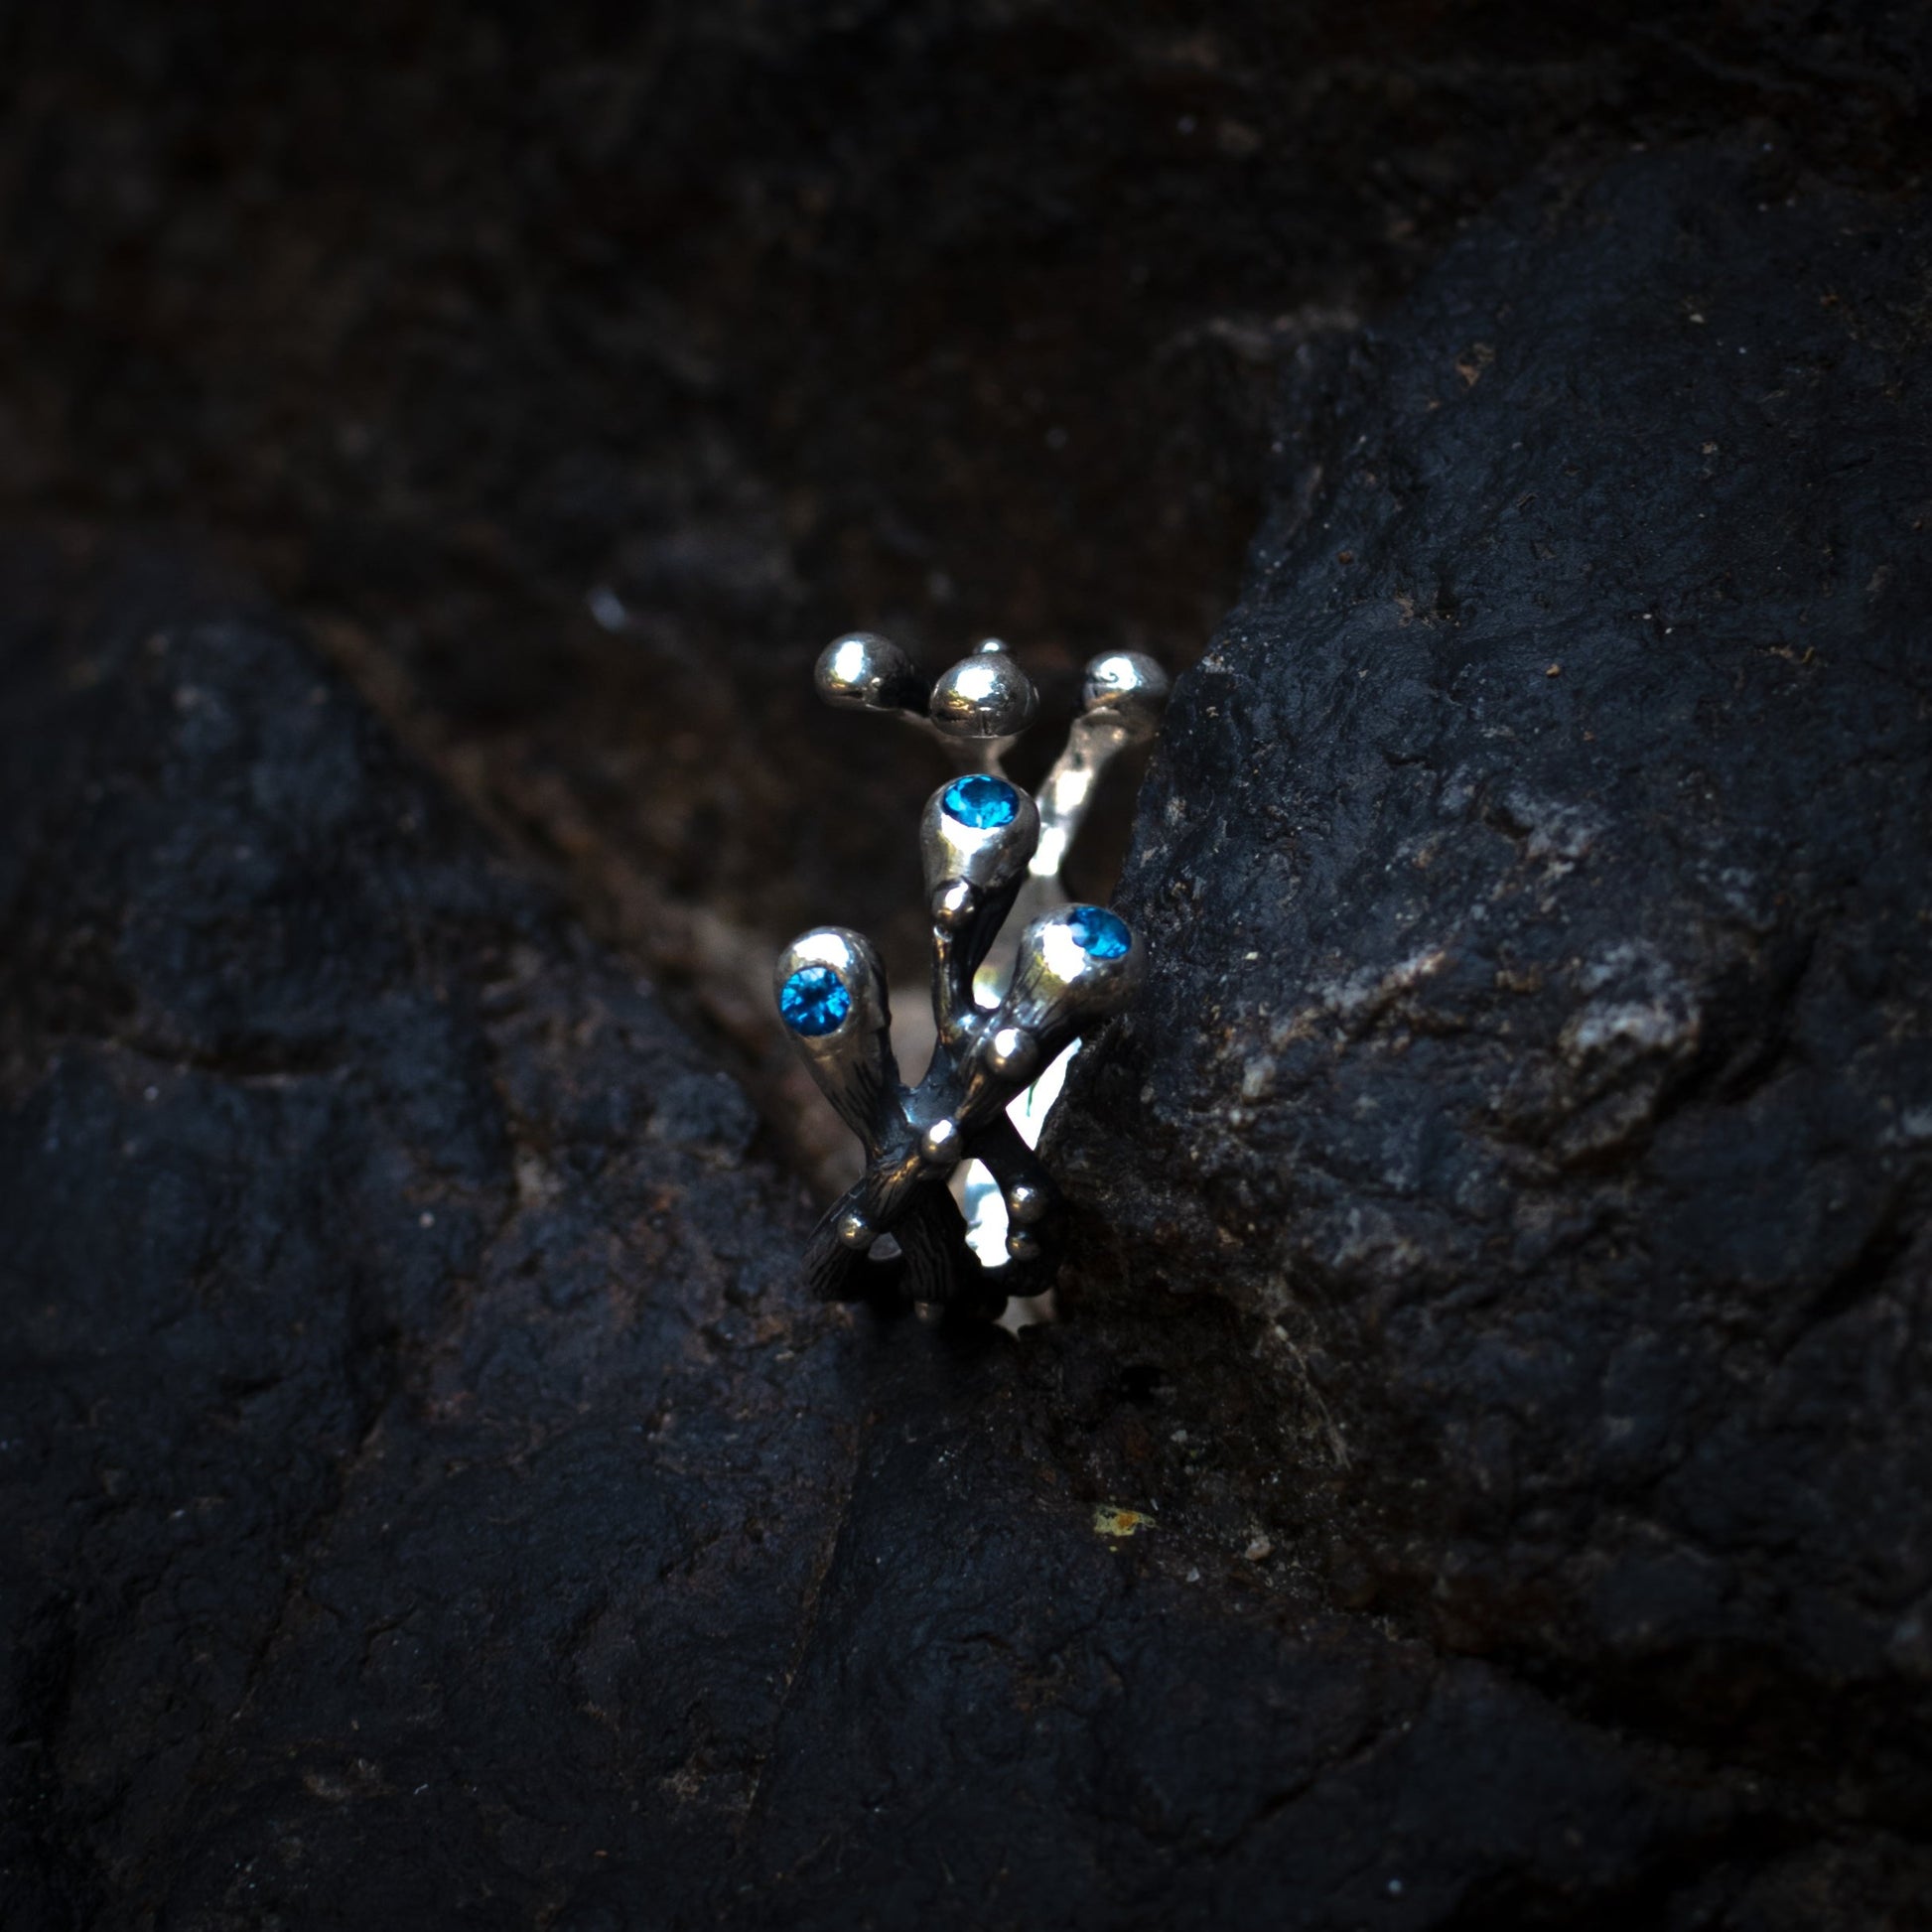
(1018,976)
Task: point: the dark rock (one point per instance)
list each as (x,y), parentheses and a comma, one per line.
(1536,1067)
(415,1475)
(430,1499)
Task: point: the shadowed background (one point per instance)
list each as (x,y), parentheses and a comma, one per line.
(578,371)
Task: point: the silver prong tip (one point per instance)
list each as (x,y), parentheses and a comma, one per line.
(1012,1052)
(986,695)
(855,1230)
(952,904)
(1022,1246)
(941,1144)
(1127,687)
(1027,1203)
(864,672)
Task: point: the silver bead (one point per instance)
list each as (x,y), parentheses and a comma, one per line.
(1129,690)
(986,695)
(1012,1052)
(865,672)
(1027,1203)
(953,903)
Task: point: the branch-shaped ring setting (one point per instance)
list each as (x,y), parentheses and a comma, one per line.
(980,842)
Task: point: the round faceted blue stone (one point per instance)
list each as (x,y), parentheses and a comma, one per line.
(814,1000)
(983,803)
(1098,933)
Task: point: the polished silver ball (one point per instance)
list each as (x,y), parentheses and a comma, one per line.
(855,1230)
(865,672)
(943,1144)
(986,695)
(1027,1203)
(1127,688)
(953,903)
(1013,1053)
(1022,1246)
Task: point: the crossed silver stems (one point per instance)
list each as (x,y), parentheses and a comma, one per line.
(992,859)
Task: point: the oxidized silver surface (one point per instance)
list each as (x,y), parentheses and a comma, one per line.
(992,859)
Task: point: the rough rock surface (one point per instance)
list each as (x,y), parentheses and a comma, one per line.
(427,1501)
(412,1477)
(1538,1069)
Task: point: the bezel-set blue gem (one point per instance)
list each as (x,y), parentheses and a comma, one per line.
(1098,933)
(815,1001)
(983,802)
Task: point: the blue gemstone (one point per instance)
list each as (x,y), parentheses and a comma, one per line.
(980,802)
(814,1000)
(1098,933)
